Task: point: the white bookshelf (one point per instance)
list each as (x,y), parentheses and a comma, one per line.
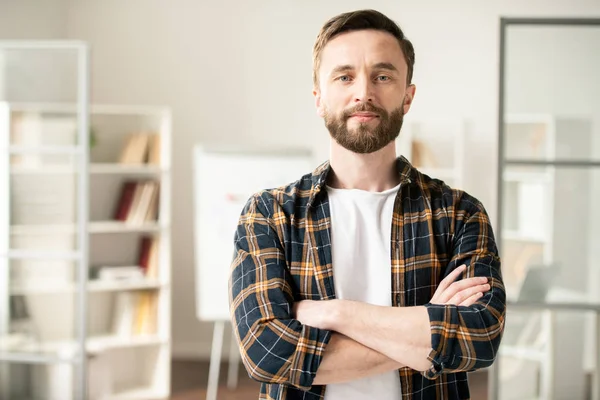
(42,252)
(528,194)
(95,345)
(93,227)
(137,394)
(96,168)
(440,144)
(526,240)
(142,284)
(543,160)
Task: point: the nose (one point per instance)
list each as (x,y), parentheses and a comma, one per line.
(364,91)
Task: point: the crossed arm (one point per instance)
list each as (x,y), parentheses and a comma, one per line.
(366,342)
(317,343)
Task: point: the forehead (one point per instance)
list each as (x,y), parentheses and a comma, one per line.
(360,47)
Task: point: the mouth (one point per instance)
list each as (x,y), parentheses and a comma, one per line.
(364,116)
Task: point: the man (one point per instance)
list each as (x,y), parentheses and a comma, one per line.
(346,283)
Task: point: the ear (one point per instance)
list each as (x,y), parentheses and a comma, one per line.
(318,103)
(409,97)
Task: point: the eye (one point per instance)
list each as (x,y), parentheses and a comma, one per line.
(344,78)
(383,78)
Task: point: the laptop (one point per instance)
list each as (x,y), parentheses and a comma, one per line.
(534,289)
(537,283)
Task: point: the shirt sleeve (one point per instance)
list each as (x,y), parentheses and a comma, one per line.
(275,347)
(468,338)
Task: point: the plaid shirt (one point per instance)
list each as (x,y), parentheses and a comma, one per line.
(283,255)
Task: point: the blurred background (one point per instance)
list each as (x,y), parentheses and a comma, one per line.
(133,132)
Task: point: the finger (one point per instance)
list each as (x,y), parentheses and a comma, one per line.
(467,283)
(471,300)
(458,287)
(466,293)
(447,281)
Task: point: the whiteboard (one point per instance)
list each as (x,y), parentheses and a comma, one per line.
(224,180)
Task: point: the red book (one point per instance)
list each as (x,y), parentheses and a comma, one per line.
(144,253)
(125,200)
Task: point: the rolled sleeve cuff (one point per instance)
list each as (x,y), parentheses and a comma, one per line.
(309,355)
(440,317)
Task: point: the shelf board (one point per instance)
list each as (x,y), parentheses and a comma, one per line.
(116,168)
(67,349)
(19,254)
(43,169)
(71,108)
(33,358)
(93,227)
(118,226)
(47,149)
(99,344)
(553,163)
(138,394)
(94,168)
(521,237)
(523,352)
(50,229)
(527,176)
(16,290)
(124,285)
(93,287)
(528,119)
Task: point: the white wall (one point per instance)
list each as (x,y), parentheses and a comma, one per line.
(24,75)
(2,76)
(237,70)
(33,19)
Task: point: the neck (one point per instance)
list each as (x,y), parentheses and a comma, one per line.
(374,172)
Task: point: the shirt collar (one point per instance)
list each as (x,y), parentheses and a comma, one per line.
(320,174)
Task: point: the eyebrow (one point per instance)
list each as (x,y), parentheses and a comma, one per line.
(381,65)
(385,65)
(342,68)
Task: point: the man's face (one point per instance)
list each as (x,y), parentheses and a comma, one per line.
(362,93)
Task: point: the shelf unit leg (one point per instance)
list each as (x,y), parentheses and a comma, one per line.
(596,382)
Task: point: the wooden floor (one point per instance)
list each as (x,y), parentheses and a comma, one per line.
(189,381)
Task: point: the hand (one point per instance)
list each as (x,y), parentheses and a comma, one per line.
(461,293)
(318,314)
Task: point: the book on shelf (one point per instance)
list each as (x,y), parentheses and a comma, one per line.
(148,256)
(146,268)
(13,341)
(135,313)
(109,273)
(422,155)
(36,130)
(138,202)
(154,150)
(141,148)
(18,309)
(21,327)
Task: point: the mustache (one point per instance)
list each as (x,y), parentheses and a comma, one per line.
(365,107)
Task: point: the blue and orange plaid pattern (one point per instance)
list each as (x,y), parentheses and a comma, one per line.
(282,254)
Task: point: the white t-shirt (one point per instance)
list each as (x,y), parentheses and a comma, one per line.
(361,227)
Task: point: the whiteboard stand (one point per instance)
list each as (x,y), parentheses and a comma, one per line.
(215,362)
(234,364)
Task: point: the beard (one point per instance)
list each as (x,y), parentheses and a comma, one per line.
(364,139)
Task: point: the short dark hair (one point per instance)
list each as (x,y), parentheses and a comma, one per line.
(361,20)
